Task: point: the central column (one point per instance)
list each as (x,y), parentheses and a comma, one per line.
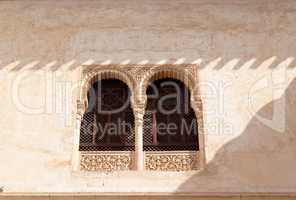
(139,105)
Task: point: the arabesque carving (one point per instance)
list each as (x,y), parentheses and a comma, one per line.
(170,161)
(108,161)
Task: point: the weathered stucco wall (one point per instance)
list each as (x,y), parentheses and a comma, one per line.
(245,52)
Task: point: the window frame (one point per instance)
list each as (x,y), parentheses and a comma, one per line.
(137,77)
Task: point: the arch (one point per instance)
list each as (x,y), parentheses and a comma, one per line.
(123,160)
(186,76)
(174,112)
(180,74)
(104,74)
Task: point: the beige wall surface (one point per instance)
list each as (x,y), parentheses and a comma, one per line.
(245,52)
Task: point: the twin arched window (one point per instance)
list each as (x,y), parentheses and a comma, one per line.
(169,121)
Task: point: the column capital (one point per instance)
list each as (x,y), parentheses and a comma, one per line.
(139,104)
(196,103)
(80,107)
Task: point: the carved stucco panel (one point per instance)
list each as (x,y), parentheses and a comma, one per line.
(108,161)
(166,161)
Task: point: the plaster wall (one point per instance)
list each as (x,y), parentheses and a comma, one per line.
(245,52)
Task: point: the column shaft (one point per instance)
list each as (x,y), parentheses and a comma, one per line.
(139,105)
(139,153)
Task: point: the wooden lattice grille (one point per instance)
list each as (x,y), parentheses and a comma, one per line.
(108,123)
(157,123)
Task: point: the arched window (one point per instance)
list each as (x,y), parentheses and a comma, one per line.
(108,123)
(169,121)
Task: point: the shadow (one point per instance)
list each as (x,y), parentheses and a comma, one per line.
(216,64)
(230,64)
(262,158)
(265,64)
(247,64)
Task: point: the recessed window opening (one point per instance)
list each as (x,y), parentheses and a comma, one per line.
(108,123)
(169,122)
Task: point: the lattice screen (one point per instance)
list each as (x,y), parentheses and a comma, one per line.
(106,127)
(185,133)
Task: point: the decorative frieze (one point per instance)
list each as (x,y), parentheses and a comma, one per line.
(171,161)
(106,161)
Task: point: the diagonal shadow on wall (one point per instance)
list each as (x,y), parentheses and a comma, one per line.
(260,159)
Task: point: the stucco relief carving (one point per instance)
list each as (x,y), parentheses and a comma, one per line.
(108,161)
(138,77)
(166,161)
